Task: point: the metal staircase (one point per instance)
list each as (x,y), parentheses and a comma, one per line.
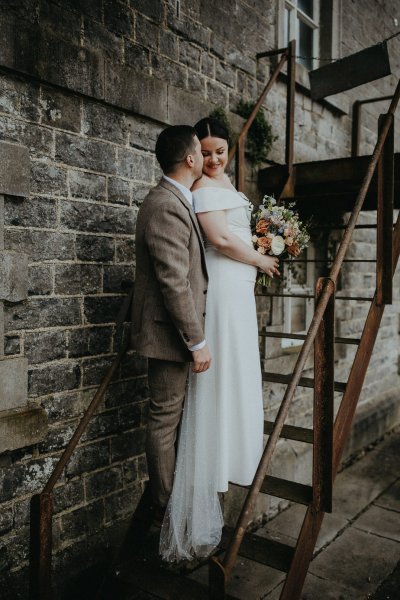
(353,184)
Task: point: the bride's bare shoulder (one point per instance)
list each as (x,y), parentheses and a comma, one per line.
(203,182)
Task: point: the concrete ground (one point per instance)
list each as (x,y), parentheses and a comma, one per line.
(358,550)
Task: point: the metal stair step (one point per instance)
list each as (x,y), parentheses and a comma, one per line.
(289,490)
(283,488)
(301,336)
(267,552)
(303,382)
(291,432)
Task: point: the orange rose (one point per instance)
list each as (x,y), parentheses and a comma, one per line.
(262,226)
(294,249)
(264,242)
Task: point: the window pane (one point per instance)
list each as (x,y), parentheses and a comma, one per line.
(286,26)
(305,44)
(306,6)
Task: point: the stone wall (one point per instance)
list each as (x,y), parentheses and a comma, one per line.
(85,87)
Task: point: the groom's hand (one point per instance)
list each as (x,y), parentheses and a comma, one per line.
(201,360)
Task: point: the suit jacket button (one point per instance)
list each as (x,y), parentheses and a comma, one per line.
(204,314)
(204,291)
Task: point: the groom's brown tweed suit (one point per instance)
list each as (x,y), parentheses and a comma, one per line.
(167,318)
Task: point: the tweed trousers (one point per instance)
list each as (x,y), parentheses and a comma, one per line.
(167,384)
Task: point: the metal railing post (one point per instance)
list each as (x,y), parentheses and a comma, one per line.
(324,356)
(384,241)
(41,513)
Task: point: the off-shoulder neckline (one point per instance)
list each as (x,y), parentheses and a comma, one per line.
(215,187)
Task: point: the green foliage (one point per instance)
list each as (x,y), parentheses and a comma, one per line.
(220,114)
(260,137)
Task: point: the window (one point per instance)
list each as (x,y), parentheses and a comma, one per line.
(301,22)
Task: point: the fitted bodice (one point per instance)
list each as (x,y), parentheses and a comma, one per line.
(236,205)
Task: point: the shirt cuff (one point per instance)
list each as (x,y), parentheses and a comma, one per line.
(198,346)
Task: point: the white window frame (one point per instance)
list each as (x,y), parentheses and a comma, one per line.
(296,14)
(295,288)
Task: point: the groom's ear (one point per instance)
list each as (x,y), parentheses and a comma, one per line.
(189,160)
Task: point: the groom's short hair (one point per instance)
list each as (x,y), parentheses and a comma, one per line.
(173,145)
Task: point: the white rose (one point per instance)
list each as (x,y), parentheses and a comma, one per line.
(277,245)
(289,241)
(261,250)
(254,239)
(270,236)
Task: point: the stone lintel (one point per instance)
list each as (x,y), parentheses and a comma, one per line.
(14,169)
(13,276)
(22,427)
(13,383)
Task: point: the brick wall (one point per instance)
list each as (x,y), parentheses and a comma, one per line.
(86,87)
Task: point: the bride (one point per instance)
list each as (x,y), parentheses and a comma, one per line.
(221,437)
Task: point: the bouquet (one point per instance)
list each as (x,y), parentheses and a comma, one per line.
(277,230)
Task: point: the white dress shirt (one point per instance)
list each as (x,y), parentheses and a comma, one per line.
(188,195)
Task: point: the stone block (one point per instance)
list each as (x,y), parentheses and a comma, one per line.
(104,122)
(135,165)
(72,66)
(13,276)
(147,32)
(47,178)
(119,191)
(44,346)
(22,427)
(184,107)
(77,279)
(94,248)
(84,520)
(54,378)
(126,88)
(171,72)
(225,74)
(42,312)
(32,212)
(67,495)
(89,341)
(89,458)
(153,9)
(128,444)
(85,216)
(87,185)
(102,425)
(80,152)
(169,44)
(42,245)
(122,503)
(118,278)
(38,139)
(18,98)
(137,57)
(94,369)
(40,280)
(12,345)
(119,17)
(100,38)
(125,251)
(14,170)
(13,383)
(103,482)
(60,110)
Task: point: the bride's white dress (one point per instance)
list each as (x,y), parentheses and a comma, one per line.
(221,436)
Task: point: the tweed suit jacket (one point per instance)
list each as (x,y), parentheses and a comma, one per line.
(168,307)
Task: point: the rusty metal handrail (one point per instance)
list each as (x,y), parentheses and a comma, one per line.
(223,569)
(41,508)
(356,121)
(288,55)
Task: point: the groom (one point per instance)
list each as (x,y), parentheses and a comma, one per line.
(169,300)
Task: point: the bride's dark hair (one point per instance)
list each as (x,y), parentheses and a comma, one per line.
(209,126)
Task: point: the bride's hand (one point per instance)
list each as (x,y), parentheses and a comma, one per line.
(269,264)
